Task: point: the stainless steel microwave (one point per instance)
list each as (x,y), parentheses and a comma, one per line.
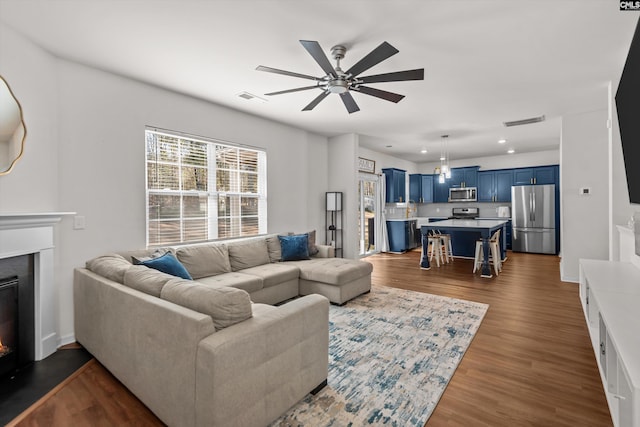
(463,194)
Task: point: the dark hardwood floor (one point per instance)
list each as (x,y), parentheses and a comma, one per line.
(530,364)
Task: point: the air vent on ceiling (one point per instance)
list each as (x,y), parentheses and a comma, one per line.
(251,97)
(524,121)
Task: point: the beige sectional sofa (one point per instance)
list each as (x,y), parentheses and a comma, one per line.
(215,351)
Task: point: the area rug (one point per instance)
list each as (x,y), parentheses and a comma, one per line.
(391,355)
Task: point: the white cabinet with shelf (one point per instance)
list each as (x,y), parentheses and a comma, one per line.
(610,296)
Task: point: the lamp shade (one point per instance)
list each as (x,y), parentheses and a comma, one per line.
(334,201)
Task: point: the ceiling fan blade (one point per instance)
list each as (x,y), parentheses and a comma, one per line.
(316,101)
(315,50)
(286,73)
(376,56)
(383,94)
(298,89)
(349,102)
(398,76)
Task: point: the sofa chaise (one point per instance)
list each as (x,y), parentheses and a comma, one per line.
(215,350)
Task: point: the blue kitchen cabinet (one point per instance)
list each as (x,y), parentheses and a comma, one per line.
(463,177)
(395,180)
(402,235)
(440,190)
(427,188)
(503,183)
(486,186)
(495,185)
(508,228)
(421,188)
(539,175)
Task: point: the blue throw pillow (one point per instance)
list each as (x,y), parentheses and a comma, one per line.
(295,247)
(169,264)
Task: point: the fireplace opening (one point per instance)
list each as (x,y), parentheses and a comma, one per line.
(8,324)
(17,314)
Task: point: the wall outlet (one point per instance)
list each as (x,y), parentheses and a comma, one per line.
(585,191)
(78,222)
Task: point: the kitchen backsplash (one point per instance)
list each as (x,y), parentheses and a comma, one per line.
(487,210)
(399,210)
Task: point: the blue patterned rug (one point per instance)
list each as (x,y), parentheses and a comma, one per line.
(391,355)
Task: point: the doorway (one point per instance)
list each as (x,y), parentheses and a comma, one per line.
(368,218)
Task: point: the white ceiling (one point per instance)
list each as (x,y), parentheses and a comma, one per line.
(485,62)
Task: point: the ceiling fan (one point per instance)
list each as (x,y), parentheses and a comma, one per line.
(344,82)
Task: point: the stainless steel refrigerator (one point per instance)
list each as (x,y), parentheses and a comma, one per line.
(533,210)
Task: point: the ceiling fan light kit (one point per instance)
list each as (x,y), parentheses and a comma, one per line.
(342,82)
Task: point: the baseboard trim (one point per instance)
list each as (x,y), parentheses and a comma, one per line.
(67,339)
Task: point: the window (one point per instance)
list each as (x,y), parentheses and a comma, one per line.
(200,189)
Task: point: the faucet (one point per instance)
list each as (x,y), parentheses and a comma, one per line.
(409,209)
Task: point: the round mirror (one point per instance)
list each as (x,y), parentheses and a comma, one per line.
(12,129)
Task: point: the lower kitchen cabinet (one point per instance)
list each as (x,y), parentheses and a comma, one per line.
(402,235)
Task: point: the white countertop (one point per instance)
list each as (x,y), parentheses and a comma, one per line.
(470,223)
(401,219)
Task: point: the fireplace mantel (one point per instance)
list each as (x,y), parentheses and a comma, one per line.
(32,233)
(32,219)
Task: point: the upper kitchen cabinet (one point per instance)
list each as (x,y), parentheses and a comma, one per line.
(440,190)
(537,175)
(463,177)
(395,180)
(495,185)
(421,188)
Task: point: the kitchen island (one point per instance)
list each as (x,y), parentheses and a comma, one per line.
(484,227)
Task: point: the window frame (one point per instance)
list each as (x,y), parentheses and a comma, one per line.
(212,194)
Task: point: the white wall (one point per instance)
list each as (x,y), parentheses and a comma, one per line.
(584,228)
(85,153)
(343,176)
(384,161)
(30,72)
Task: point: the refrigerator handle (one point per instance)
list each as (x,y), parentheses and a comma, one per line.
(530,204)
(534,206)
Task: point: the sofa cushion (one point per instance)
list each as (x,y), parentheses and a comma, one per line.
(205,260)
(226,306)
(143,254)
(313,249)
(273,274)
(248,253)
(273,246)
(245,282)
(294,247)
(111,266)
(145,279)
(168,263)
(334,271)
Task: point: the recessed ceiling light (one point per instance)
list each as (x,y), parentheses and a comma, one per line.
(443,158)
(502,141)
(511,151)
(423,151)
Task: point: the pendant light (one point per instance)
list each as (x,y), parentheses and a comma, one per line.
(444,159)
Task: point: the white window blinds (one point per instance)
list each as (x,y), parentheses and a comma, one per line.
(201,189)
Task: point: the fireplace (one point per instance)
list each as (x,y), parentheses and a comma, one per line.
(27,252)
(17,346)
(8,325)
